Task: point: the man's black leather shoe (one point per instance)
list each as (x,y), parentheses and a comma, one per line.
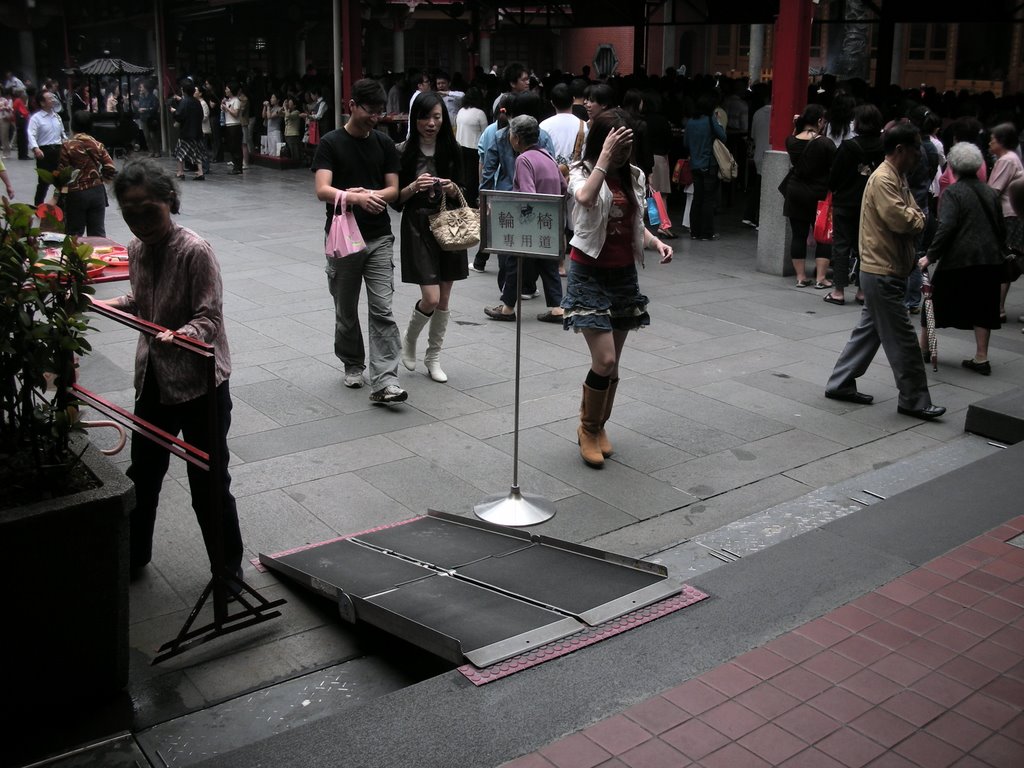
(929,413)
(850,397)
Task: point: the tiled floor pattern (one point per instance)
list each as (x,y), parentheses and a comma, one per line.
(927,670)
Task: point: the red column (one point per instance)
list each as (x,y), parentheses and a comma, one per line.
(352,43)
(790,61)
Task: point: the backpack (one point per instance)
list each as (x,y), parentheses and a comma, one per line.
(577,153)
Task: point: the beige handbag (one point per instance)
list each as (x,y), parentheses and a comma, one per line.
(458,228)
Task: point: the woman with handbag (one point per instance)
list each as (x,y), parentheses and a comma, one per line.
(602,295)
(430,160)
(811,154)
(699,137)
(968,252)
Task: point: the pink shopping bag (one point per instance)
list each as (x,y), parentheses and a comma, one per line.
(343,238)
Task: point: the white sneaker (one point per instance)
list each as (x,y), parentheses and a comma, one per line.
(392,393)
(353,379)
(749,223)
(533,295)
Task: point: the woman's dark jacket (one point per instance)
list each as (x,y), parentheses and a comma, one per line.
(808,182)
(968,235)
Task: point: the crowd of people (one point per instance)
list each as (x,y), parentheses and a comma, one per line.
(917,181)
(411,140)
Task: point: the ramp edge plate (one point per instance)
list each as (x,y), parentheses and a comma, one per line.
(589,636)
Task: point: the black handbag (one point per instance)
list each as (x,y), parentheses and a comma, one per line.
(1012,268)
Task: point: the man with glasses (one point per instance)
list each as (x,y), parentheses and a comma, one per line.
(364,163)
(421,84)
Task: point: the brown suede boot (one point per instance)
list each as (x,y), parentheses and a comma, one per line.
(591,410)
(602,436)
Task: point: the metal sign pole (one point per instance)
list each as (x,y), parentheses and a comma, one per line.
(517,509)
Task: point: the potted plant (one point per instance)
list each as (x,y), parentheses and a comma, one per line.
(63,506)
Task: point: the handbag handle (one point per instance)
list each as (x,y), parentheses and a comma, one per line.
(339,200)
(462,200)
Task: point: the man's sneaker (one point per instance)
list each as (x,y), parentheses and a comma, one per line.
(475,268)
(392,393)
(749,223)
(353,379)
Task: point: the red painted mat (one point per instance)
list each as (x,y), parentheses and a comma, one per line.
(582,639)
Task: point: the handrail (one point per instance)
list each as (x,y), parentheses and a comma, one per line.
(223,584)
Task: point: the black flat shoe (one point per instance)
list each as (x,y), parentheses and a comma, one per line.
(985,369)
(830,299)
(851,397)
(929,413)
(550,317)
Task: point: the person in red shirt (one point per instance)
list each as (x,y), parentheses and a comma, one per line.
(602,296)
(21,116)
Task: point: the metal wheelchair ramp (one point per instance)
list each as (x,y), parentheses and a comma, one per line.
(468,590)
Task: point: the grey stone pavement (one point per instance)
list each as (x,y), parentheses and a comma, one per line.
(720,418)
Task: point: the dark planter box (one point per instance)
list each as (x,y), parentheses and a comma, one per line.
(64,566)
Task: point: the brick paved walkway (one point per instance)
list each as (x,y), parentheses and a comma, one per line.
(927,670)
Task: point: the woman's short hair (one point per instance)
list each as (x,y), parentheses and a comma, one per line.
(149,174)
(965,159)
(809,118)
(526,129)
(867,120)
(1007,136)
(601,93)
(81,120)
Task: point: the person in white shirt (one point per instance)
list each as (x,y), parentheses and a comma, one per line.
(45,135)
(231,109)
(470,123)
(12,81)
(422,84)
(452,99)
(567,131)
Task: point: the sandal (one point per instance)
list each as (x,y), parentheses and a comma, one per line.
(830,299)
(822,284)
(804,283)
(550,317)
(179,175)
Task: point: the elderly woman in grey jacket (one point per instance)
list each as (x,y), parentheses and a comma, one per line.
(968,253)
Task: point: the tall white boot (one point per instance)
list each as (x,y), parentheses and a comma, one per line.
(435,338)
(412,333)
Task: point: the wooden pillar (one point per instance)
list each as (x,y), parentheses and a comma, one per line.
(790,62)
(886,43)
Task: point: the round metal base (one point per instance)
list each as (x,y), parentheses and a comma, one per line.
(517,509)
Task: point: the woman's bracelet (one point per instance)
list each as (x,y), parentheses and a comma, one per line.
(602,170)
